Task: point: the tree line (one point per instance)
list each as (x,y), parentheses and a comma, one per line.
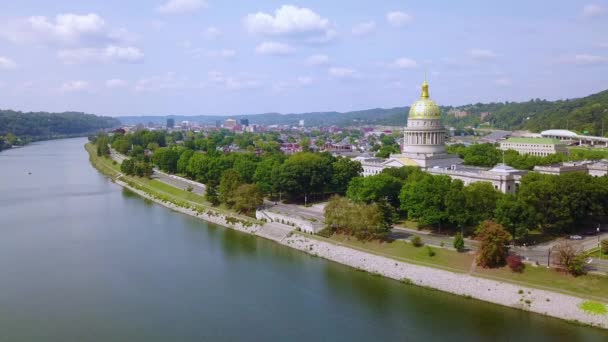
(43,125)
(550,204)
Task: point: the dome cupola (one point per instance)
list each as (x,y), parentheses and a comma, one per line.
(425,108)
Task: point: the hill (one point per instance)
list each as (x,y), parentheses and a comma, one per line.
(43,125)
(582,114)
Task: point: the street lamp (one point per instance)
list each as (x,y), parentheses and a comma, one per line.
(599,245)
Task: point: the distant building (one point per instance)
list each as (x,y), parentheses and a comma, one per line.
(534,146)
(561,168)
(170,123)
(301,123)
(569,136)
(229,123)
(244,122)
(218,123)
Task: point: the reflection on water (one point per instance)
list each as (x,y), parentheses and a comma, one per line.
(82,259)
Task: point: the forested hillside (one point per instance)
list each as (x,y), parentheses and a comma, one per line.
(48,125)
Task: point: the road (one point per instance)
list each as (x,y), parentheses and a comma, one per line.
(176,181)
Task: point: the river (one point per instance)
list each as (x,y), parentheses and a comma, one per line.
(81,259)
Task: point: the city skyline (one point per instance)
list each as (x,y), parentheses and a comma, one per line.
(196,57)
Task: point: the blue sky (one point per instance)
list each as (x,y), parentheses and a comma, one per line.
(192,57)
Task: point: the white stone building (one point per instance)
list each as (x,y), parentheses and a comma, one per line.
(540,147)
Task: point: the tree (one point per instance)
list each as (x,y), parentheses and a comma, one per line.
(570,258)
(102,145)
(515,215)
(126,167)
(374,189)
(247,197)
(456,204)
(458,242)
(493,250)
(425,200)
(481,200)
(264,171)
(229,183)
(343,171)
(166,159)
(305,173)
(362,220)
(182,162)
(211,195)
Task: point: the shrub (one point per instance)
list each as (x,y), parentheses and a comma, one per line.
(604,246)
(189,188)
(577,266)
(430,251)
(416,241)
(458,242)
(515,263)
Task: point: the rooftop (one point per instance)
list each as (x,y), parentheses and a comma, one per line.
(533,141)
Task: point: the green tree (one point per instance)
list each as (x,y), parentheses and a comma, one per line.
(166,159)
(456,204)
(343,171)
(481,198)
(247,197)
(305,173)
(211,195)
(229,183)
(364,221)
(425,200)
(515,215)
(493,249)
(126,167)
(375,189)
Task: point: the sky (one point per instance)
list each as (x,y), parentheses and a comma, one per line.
(196,57)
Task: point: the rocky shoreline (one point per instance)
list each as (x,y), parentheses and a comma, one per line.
(519,297)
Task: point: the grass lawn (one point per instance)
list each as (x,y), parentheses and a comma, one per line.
(588,286)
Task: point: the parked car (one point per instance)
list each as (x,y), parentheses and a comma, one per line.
(576,237)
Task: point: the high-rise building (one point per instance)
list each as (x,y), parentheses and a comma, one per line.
(244,122)
(170,123)
(229,123)
(301,123)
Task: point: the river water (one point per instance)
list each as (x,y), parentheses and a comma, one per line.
(81,259)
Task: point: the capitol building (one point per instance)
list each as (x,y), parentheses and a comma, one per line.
(424,146)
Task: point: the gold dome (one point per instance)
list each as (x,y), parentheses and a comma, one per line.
(425,108)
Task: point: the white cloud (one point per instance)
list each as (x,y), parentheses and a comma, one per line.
(212,33)
(219,80)
(304,80)
(503,82)
(274,48)
(364,28)
(167,81)
(291,21)
(338,72)
(481,54)
(116,83)
(109,54)
(594,10)
(6,63)
(65,30)
(585,59)
(74,86)
(316,60)
(398,19)
(181,6)
(405,63)
(224,53)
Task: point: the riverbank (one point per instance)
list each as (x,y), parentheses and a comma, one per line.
(520,297)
